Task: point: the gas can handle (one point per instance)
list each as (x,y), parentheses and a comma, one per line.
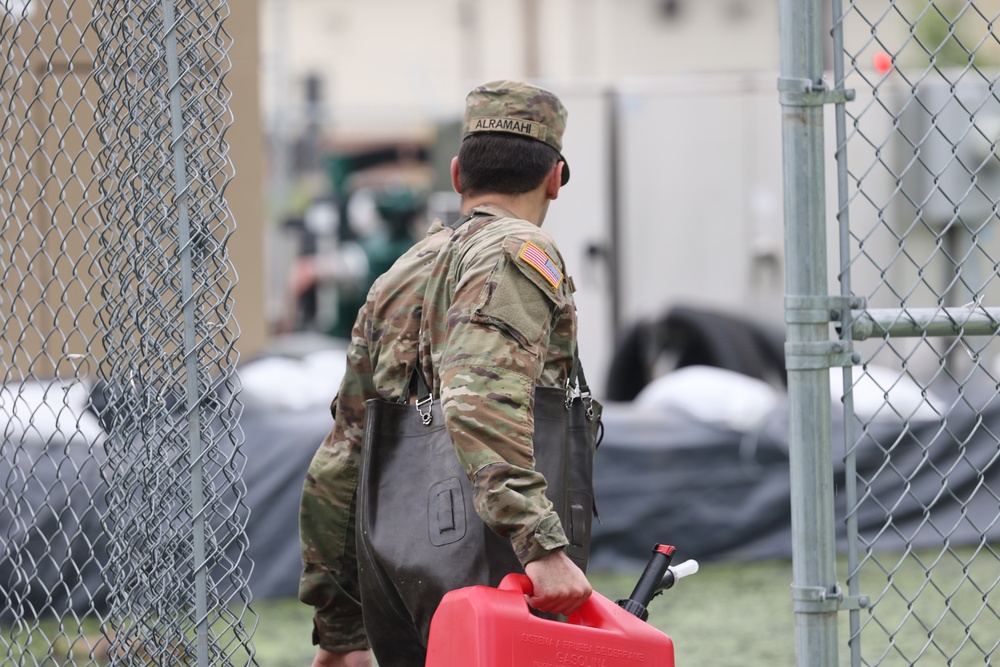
(516,582)
(597,611)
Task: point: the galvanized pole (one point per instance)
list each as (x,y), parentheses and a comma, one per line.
(847,375)
(808,353)
(192,391)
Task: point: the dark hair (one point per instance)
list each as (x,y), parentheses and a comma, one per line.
(505,164)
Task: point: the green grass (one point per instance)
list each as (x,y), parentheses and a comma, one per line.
(727,614)
(930,610)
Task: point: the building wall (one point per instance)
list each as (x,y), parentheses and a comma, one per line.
(245,193)
(697,215)
(386,64)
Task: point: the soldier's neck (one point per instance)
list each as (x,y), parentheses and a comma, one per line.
(531,206)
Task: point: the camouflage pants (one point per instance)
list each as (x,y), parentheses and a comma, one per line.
(329,580)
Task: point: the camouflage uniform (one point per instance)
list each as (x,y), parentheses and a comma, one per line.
(498,319)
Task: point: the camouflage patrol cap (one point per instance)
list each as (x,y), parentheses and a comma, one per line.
(517,108)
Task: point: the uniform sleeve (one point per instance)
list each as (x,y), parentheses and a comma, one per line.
(499,326)
(329,580)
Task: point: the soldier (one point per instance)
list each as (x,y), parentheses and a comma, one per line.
(483,310)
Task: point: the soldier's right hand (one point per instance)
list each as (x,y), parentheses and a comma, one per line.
(559,586)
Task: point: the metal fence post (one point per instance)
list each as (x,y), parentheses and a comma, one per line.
(192,390)
(803,93)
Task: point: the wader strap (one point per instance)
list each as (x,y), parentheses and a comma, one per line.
(424,398)
(576,386)
(474,213)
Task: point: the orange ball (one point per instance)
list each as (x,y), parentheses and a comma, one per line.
(882,62)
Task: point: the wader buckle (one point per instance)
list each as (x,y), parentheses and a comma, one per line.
(424,409)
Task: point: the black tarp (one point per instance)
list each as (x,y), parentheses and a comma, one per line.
(660,476)
(720,494)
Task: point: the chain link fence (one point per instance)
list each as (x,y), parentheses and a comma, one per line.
(122,517)
(915,109)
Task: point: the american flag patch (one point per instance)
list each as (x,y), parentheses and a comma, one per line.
(537,258)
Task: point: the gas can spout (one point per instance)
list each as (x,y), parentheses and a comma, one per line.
(657,577)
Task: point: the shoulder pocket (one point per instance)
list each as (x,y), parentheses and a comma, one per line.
(524,297)
(538,265)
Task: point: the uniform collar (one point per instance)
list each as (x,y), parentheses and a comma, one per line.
(483,210)
(491,210)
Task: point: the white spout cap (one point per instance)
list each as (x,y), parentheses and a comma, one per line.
(682,570)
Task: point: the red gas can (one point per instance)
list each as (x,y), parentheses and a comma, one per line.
(480,626)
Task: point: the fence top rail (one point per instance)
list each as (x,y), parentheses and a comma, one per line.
(972,320)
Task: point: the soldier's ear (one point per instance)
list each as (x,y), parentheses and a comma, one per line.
(554,181)
(455,181)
